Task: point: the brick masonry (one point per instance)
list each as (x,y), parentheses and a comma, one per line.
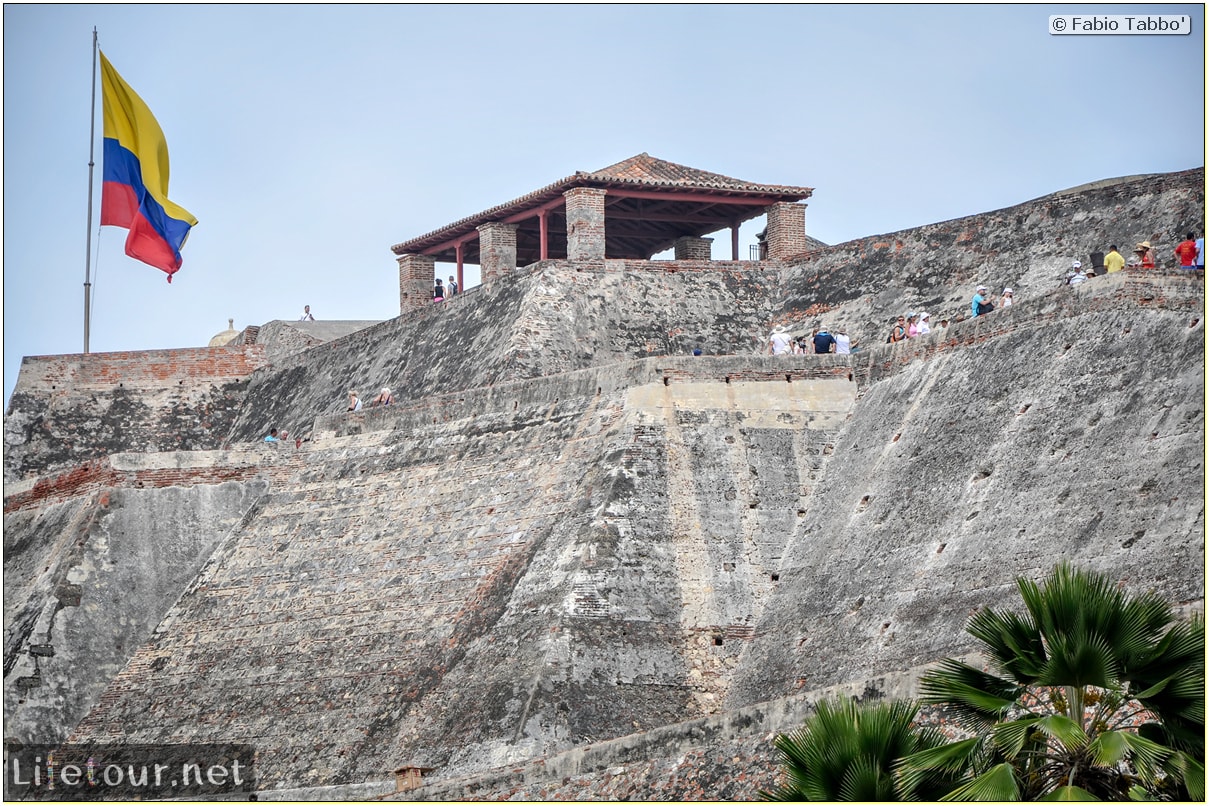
(497,250)
(691,247)
(585,224)
(416,275)
(786,233)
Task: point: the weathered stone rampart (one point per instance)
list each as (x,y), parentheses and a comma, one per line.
(87,579)
(432,552)
(68,409)
(550,318)
(574,561)
(864,284)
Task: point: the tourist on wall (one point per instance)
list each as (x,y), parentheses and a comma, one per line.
(843,343)
(778,342)
(272,437)
(438,293)
(306,314)
(898,332)
(925,326)
(452,285)
(383,398)
(1200,252)
(1113,261)
(1076,275)
(1006,302)
(824,342)
(1142,256)
(912,325)
(979,304)
(354,402)
(1187,251)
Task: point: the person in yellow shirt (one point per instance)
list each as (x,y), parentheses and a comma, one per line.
(1113,260)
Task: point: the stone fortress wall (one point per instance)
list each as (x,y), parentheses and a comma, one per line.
(567,569)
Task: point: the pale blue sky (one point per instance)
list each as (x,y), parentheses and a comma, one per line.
(309,139)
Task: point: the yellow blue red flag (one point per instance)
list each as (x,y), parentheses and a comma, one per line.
(134,194)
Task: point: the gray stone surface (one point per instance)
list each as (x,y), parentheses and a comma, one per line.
(575,562)
(864,284)
(78,606)
(282,337)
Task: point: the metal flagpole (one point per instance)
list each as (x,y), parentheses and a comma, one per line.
(92,138)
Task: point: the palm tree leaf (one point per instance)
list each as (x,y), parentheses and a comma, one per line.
(948,758)
(1190,772)
(1078,658)
(1112,746)
(865,780)
(973,693)
(1011,737)
(1011,640)
(997,783)
(846,750)
(1069,793)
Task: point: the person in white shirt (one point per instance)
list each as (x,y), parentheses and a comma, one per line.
(1007,298)
(306,314)
(925,324)
(843,344)
(778,342)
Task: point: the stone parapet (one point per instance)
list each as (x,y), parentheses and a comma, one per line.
(70,409)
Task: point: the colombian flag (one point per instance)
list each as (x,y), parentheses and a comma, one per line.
(135,190)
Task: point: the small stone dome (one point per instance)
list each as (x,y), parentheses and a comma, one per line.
(226,337)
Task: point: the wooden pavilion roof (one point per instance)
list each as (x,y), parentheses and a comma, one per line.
(650,203)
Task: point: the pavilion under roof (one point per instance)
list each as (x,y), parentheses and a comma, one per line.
(649,204)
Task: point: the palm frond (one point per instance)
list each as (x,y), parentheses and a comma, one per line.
(996,784)
(865,780)
(974,694)
(1111,747)
(1012,641)
(1080,659)
(1011,737)
(1069,793)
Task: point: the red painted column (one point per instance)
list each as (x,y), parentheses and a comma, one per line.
(734,241)
(542,225)
(458,250)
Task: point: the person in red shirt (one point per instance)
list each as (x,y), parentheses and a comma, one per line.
(1186,251)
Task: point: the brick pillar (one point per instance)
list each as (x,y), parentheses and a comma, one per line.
(497,250)
(690,247)
(416,273)
(786,230)
(585,224)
